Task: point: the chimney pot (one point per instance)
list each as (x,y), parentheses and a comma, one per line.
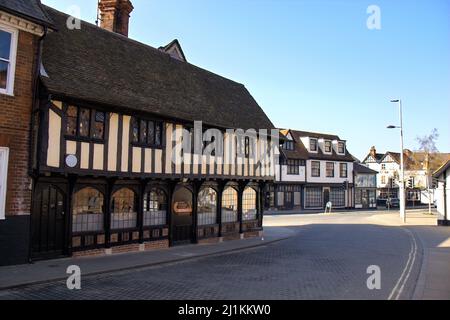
(115,15)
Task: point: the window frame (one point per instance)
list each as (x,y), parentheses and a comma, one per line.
(146,143)
(288,145)
(293,167)
(11,74)
(4,181)
(312,169)
(316,144)
(332,175)
(343,165)
(92,120)
(328,146)
(339,144)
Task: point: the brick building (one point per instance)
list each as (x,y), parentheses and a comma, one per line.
(22,25)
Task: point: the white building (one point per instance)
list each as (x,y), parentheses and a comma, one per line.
(442,175)
(416,174)
(315,169)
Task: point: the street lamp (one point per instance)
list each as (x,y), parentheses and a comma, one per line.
(402,163)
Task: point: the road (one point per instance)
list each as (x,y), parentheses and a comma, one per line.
(327,258)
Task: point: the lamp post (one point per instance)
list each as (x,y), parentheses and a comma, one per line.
(402,163)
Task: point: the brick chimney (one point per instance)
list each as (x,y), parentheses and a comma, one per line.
(373,152)
(115,15)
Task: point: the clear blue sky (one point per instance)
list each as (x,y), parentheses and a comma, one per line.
(313,64)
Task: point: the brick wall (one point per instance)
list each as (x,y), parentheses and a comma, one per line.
(15,124)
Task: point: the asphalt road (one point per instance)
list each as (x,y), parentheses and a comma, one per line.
(326,260)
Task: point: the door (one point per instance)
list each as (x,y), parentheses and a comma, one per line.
(365,199)
(48,222)
(326,197)
(289,200)
(182,216)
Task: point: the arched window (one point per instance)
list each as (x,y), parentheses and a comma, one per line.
(124,209)
(249,211)
(207,207)
(87,211)
(155,208)
(229,205)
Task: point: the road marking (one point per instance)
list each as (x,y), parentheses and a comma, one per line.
(400,285)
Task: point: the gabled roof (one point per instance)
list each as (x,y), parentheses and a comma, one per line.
(441,170)
(101,67)
(359,168)
(174,45)
(301,152)
(378,157)
(28,9)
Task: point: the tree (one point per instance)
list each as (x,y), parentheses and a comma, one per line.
(427,157)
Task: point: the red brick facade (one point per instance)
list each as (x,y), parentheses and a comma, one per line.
(15,126)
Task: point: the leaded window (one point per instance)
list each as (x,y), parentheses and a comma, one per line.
(87,211)
(207,207)
(85,123)
(146,132)
(313,197)
(155,208)
(337,197)
(293,167)
(229,205)
(124,209)
(249,207)
(288,145)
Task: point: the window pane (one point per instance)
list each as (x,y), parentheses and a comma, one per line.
(134,130)
(72,113)
(207,207)
(158,134)
(124,209)
(99,125)
(143,132)
(5,45)
(229,205)
(151,132)
(3,74)
(155,208)
(85,117)
(87,211)
(249,211)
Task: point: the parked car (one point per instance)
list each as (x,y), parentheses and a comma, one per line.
(393,203)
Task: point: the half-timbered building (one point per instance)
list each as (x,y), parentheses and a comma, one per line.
(123,158)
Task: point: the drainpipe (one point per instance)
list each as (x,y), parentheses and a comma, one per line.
(35,107)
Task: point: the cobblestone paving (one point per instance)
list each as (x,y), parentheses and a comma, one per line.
(320,262)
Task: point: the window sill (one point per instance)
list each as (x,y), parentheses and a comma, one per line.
(6,93)
(84,139)
(145,145)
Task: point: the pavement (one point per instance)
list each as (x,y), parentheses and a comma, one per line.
(55,270)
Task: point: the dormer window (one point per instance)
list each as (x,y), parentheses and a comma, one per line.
(341,147)
(313,145)
(288,145)
(328,146)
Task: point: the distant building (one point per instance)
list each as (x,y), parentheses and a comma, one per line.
(314,169)
(418,169)
(365,187)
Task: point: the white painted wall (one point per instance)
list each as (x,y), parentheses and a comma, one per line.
(440,196)
(323,178)
(283,176)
